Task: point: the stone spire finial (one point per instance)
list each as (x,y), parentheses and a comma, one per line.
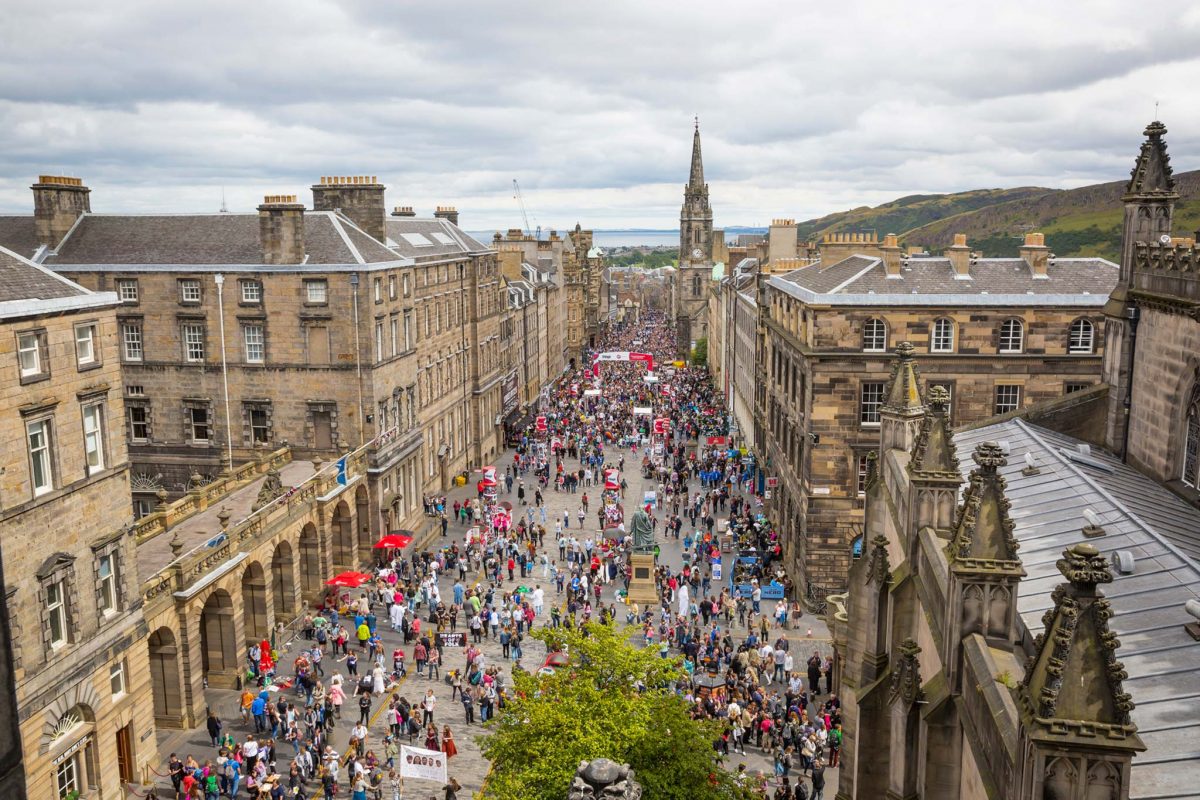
(1072,690)
(1151,174)
(906,672)
(696,178)
(879,568)
(983,534)
(903,391)
(933,456)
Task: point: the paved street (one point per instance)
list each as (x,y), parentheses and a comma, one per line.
(469,767)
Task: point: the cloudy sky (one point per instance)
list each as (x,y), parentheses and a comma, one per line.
(805,108)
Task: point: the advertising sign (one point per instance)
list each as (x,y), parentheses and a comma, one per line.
(452,639)
(510,397)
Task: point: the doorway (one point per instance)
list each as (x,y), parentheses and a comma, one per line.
(322,431)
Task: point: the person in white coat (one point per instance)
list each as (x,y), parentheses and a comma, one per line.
(684,604)
(377,680)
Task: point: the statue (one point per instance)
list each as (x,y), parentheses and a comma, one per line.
(603,779)
(643,532)
(272,487)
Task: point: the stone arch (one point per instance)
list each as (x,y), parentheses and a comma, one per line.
(164,677)
(998,603)
(342,528)
(283,581)
(1061,780)
(1103,782)
(218,643)
(362,522)
(254,603)
(310,562)
(76,703)
(972,610)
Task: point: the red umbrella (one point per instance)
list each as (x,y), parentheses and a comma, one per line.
(395,541)
(350,580)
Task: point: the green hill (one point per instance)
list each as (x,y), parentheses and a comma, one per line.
(1077,222)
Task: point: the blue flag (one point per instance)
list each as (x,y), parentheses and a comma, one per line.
(341,478)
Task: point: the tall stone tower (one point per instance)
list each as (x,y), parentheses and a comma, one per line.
(695,254)
(1149,201)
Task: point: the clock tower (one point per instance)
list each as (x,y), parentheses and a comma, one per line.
(695,254)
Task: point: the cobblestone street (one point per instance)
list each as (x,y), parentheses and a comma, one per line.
(469,766)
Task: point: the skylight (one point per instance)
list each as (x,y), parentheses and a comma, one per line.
(443,238)
(416,240)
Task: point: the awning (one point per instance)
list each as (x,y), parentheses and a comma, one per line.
(395,540)
(350,580)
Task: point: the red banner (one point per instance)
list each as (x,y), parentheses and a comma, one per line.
(540,422)
(711,440)
(662,425)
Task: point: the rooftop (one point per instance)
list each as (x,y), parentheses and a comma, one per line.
(28,289)
(862,280)
(429,239)
(136,241)
(1163,535)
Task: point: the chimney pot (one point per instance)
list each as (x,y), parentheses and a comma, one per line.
(356,199)
(58,201)
(1036,254)
(281,229)
(960,255)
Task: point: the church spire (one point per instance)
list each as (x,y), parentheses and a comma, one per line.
(696,180)
(1151,174)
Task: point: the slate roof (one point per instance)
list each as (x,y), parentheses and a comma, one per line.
(207,239)
(1163,534)
(460,243)
(21,279)
(18,235)
(860,279)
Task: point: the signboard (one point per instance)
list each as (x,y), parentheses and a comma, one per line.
(662,425)
(714,440)
(540,422)
(452,639)
(772,483)
(717,571)
(422,764)
(591,392)
(510,397)
(642,411)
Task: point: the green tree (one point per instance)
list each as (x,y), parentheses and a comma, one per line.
(700,352)
(613,701)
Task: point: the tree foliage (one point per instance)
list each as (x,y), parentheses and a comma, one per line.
(613,701)
(700,352)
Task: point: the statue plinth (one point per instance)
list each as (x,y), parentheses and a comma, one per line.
(642,589)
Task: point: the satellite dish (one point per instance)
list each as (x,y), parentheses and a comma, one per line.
(1165,238)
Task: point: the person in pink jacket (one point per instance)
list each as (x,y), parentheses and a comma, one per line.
(337,695)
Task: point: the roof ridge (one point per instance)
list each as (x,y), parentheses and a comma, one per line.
(47,271)
(337,225)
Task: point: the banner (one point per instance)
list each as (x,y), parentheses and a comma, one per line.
(642,411)
(452,639)
(426,765)
(623,355)
(662,425)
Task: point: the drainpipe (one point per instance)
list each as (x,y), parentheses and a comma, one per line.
(219,279)
(1133,314)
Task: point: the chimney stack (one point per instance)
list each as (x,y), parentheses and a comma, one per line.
(1036,254)
(782,240)
(960,256)
(403,211)
(57,202)
(891,255)
(281,229)
(448,213)
(358,197)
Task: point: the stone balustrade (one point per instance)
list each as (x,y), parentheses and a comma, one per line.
(167,515)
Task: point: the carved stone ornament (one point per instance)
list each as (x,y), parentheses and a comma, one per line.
(906,673)
(933,453)
(602,779)
(879,568)
(272,487)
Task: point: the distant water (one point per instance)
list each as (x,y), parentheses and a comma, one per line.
(627,238)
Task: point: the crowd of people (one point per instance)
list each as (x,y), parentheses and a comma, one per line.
(596,422)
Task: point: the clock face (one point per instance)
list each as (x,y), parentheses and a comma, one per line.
(697,253)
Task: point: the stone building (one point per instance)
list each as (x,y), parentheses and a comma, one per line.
(321,329)
(552,257)
(530,295)
(690,306)
(966,666)
(72,615)
(1000,334)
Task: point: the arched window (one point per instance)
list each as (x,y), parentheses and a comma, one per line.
(874,336)
(1012,336)
(942,338)
(1191,440)
(1083,337)
(695,286)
